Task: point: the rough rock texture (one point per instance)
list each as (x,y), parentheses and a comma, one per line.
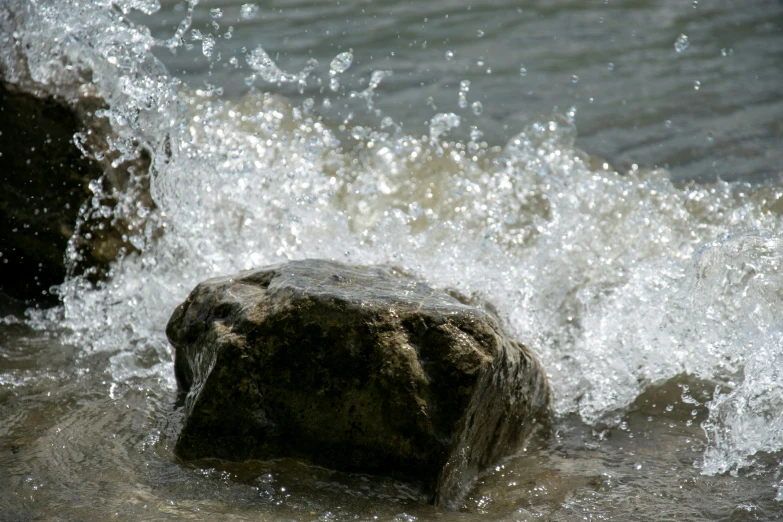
(45,181)
(354,368)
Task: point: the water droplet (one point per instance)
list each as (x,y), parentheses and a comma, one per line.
(442,123)
(696,85)
(377,77)
(480,33)
(195,35)
(248,11)
(341,63)
(477,108)
(574,79)
(638,466)
(464,87)
(259,60)
(480,62)
(681,43)
(207,45)
(522,70)
(326,104)
(431,103)
(475,133)
(387,122)
(334,84)
(216,13)
(358,132)
(610,66)
(449,55)
(668,124)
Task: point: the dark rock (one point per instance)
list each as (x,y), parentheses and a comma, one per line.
(354,368)
(46,182)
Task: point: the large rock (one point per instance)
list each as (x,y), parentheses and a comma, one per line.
(354,368)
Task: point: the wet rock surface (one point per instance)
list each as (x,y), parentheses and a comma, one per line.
(354,368)
(53,191)
(45,180)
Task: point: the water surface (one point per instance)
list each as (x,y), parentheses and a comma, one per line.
(558,184)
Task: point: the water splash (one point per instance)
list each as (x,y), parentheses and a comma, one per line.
(368,94)
(439,125)
(618,280)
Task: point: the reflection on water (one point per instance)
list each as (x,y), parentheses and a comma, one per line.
(425,136)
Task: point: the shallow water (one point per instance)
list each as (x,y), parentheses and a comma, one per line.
(653,303)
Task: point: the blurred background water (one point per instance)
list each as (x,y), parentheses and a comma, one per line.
(692,86)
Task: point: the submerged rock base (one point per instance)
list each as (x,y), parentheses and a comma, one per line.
(353,368)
